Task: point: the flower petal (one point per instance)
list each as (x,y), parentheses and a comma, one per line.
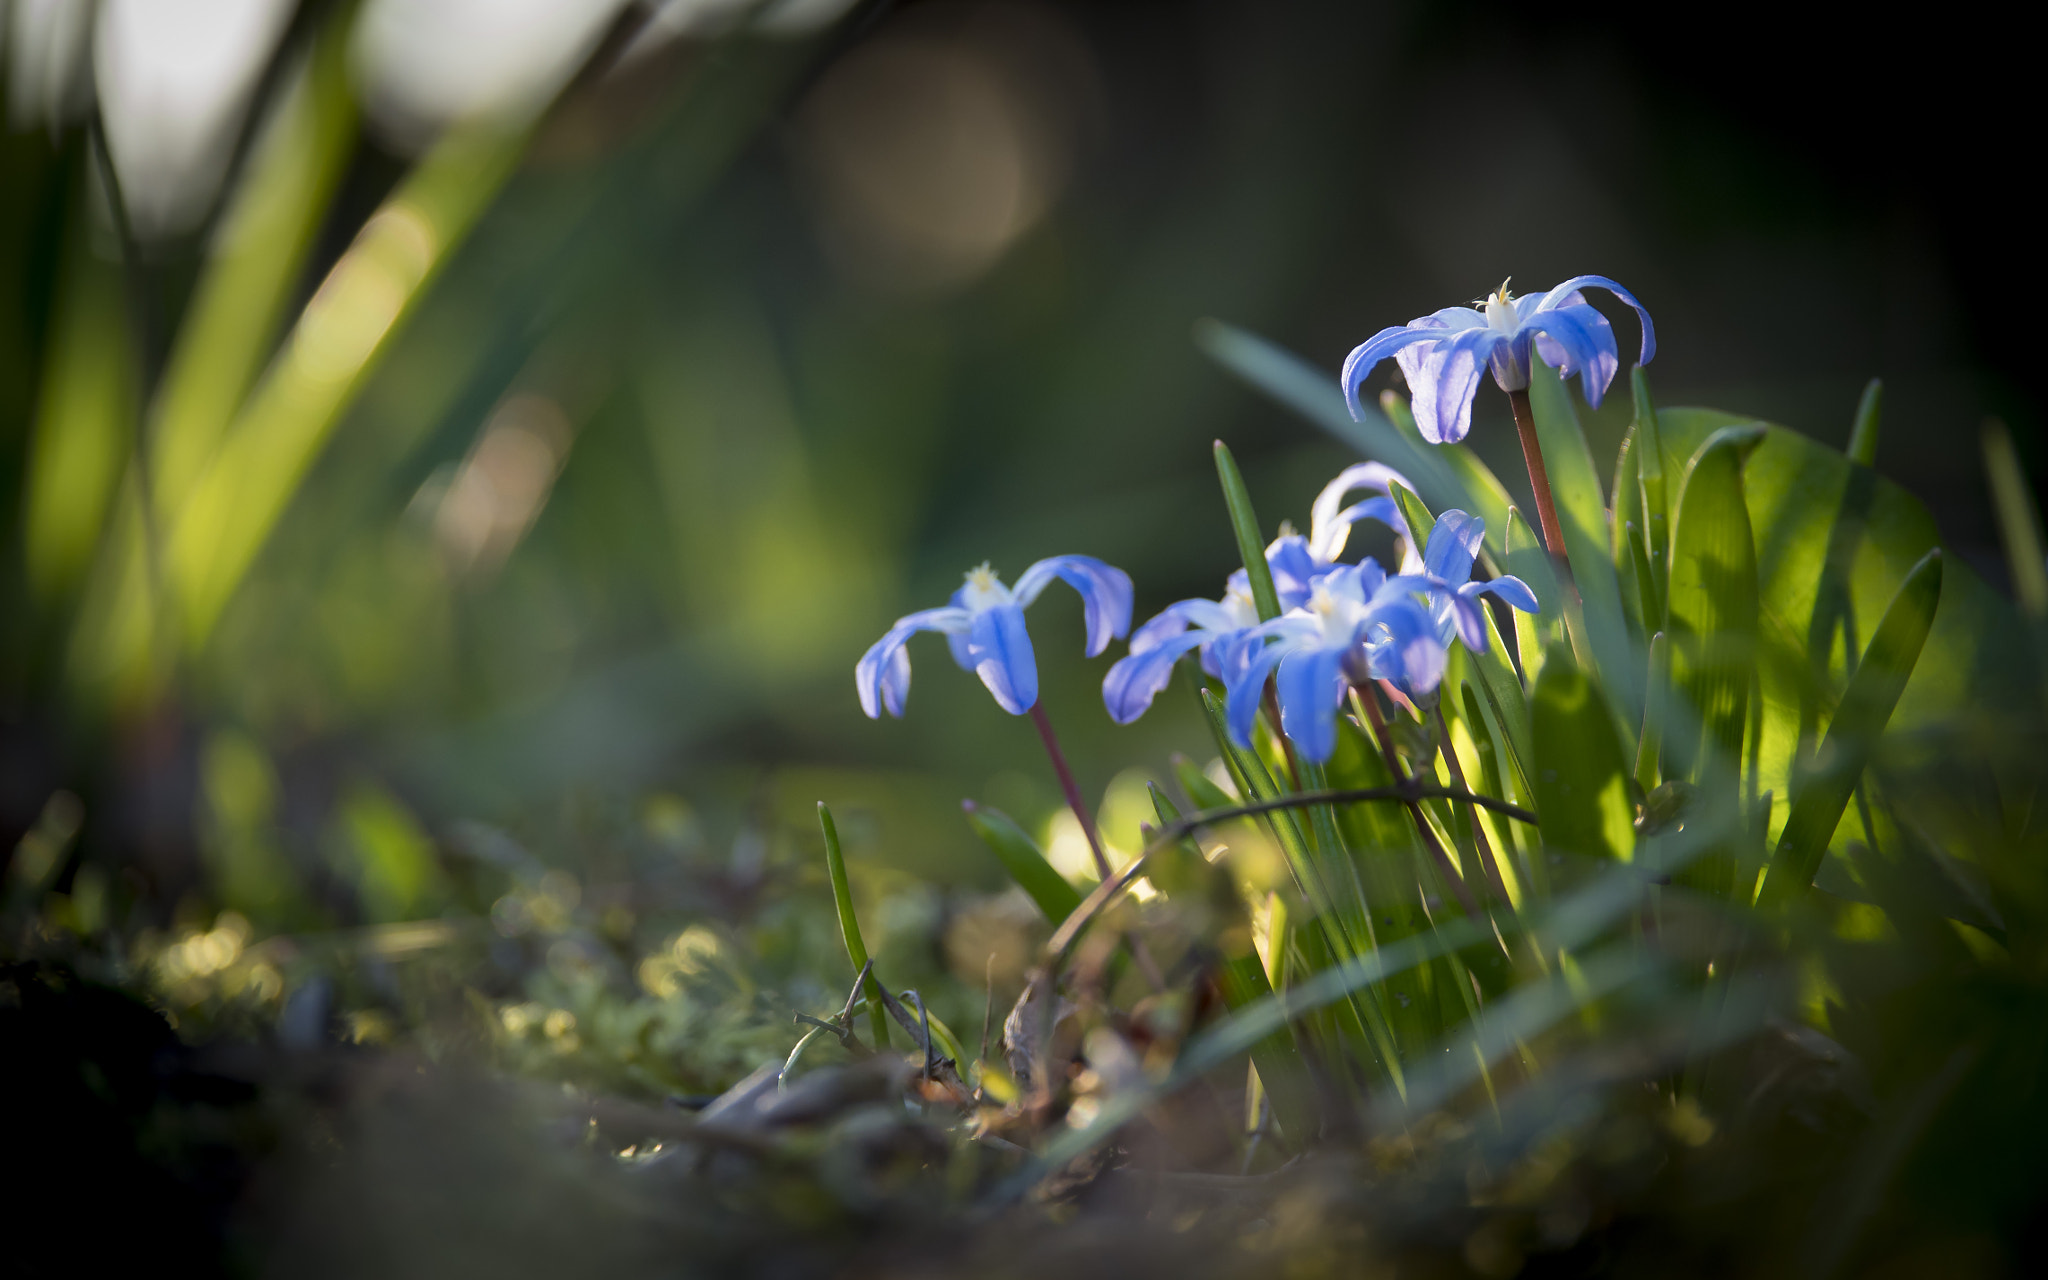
(1561,296)
(1001,650)
(1137,678)
(1323,512)
(1311,687)
(882,676)
(1401,641)
(1585,341)
(1241,698)
(1207,615)
(1443,413)
(1366,356)
(1512,590)
(1453,544)
(1295,569)
(1105,590)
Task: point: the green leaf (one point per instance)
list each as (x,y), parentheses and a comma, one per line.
(1505,697)
(1712,608)
(1582,793)
(1251,542)
(1867,705)
(1575,486)
(849,925)
(1863,435)
(1022,858)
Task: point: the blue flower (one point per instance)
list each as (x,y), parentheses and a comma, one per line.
(1445,581)
(1442,354)
(1357,625)
(1216,627)
(984,627)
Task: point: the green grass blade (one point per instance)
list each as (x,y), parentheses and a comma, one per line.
(1527,560)
(1863,435)
(1315,395)
(1652,471)
(849,924)
(1866,707)
(1650,746)
(1022,858)
(266,235)
(1251,542)
(84,419)
(350,322)
(2019,520)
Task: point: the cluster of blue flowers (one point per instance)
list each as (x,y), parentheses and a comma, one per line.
(1340,624)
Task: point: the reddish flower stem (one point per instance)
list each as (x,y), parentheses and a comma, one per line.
(1068,785)
(1539,479)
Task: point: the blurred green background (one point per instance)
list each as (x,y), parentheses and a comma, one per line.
(570,503)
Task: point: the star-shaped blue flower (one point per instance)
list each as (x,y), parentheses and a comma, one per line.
(984,627)
(1359,624)
(1442,354)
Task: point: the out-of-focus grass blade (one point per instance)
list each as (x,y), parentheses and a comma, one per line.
(1022,858)
(254,266)
(1315,395)
(1420,518)
(237,499)
(1200,791)
(849,926)
(1251,541)
(2019,522)
(1712,604)
(1865,709)
(1575,485)
(85,422)
(1863,434)
(1582,793)
(1506,697)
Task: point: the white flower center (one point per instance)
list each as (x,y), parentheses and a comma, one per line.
(984,589)
(1243,610)
(1500,309)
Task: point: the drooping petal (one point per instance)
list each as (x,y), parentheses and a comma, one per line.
(1453,319)
(882,676)
(961,647)
(1585,341)
(1470,617)
(1453,545)
(1001,650)
(1366,356)
(1327,527)
(1311,687)
(1562,295)
(1208,615)
(1137,678)
(1512,590)
(1294,568)
(1241,698)
(1401,641)
(1105,591)
(1453,371)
